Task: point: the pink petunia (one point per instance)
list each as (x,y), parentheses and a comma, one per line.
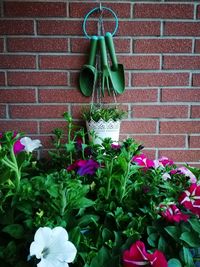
(163,162)
(190,199)
(84,166)
(143,161)
(138,256)
(18,147)
(172,214)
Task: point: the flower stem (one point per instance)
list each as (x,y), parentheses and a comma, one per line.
(126,177)
(110,167)
(16,168)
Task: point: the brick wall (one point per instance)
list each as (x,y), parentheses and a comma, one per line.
(42,49)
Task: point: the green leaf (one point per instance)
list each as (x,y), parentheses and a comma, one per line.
(174,263)
(162,244)
(75,235)
(70,147)
(101,258)
(191,239)
(14,230)
(195,224)
(173,231)
(187,257)
(87,219)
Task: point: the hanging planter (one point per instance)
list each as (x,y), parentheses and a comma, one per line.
(103,123)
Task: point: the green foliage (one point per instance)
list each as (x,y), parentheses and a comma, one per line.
(104,212)
(104,113)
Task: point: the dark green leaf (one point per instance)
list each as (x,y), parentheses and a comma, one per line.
(195,223)
(14,230)
(191,239)
(187,256)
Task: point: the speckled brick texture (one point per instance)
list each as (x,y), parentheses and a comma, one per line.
(42,49)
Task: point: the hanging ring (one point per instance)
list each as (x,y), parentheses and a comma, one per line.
(92,11)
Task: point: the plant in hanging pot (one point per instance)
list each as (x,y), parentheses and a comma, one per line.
(103,122)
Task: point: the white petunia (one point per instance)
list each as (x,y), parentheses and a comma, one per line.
(29,144)
(52,247)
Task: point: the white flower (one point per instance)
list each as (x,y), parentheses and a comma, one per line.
(52,247)
(29,144)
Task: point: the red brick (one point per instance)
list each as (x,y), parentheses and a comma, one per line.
(70,62)
(34,112)
(182,28)
(79,10)
(180,95)
(198,12)
(197,46)
(2,111)
(160,79)
(19,126)
(2,78)
(161,141)
(37,78)
(164,11)
(138,95)
(60,27)
(133,127)
(181,62)
(180,127)
(1,45)
(162,46)
(24,9)
(151,154)
(140,62)
(61,96)
(139,28)
(17,96)
(181,155)
(17,62)
(194,141)
(37,45)
(49,126)
(121,45)
(16,27)
(195,111)
(160,111)
(196,79)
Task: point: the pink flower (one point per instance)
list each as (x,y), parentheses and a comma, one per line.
(187,173)
(162,162)
(166,176)
(115,146)
(143,161)
(18,147)
(138,256)
(190,199)
(172,214)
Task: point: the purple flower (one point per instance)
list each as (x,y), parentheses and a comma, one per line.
(115,146)
(87,167)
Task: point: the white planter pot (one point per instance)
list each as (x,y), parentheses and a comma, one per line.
(103,129)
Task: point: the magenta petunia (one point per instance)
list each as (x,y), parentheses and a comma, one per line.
(115,146)
(143,161)
(190,199)
(18,147)
(138,256)
(172,214)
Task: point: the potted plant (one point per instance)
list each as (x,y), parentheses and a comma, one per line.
(103,122)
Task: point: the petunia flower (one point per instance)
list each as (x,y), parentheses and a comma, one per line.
(87,167)
(18,147)
(163,162)
(29,144)
(115,146)
(187,173)
(84,166)
(52,247)
(143,161)
(166,176)
(172,214)
(190,199)
(138,256)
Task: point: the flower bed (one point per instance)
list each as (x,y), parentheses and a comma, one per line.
(95,205)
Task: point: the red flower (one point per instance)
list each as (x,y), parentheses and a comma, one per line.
(138,256)
(143,161)
(18,147)
(172,214)
(190,199)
